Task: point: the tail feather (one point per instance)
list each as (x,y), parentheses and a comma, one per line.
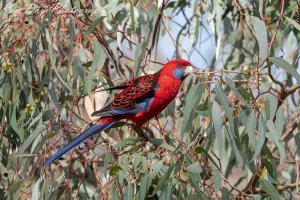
(95,129)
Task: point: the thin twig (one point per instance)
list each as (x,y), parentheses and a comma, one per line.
(155,30)
(277,24)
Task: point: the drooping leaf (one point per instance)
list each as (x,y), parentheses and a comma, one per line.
(261,134)
(270,189)
(128,192)
(261,36)
(217,179)
(53,61)
(192,101)
(223,100)
(236,92)
(293,22)
(139,56)
(194,168)
(275,137)
(143,187)
(251,128)
(217,121)
(283,64)
(163,181)
(201,150)
(36,194)
(98,62)
(93,26)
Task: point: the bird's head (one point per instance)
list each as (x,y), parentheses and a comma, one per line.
(178,68)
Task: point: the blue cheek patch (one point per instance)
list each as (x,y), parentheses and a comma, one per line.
(178,73)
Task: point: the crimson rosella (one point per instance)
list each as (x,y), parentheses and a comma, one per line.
(140,100)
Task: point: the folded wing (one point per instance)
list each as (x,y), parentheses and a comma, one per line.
(134,98)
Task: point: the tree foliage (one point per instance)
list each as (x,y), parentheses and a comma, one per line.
(232,132)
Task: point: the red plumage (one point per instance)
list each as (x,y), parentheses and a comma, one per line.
(140,100)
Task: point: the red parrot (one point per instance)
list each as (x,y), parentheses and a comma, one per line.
(140,100)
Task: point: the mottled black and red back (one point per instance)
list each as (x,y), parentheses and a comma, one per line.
(134,98)
(142,88)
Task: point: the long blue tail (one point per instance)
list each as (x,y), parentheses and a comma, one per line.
(93,130)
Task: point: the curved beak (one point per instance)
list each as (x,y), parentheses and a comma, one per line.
(189,70)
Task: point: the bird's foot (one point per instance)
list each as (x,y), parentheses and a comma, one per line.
(142,134)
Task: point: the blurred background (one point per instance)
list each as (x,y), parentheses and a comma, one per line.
(231,133)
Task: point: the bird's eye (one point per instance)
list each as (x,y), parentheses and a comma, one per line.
(179,63)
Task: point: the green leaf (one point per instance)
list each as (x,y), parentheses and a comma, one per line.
(217,180)
(167,147)
(139,56)
(41,128)
(98,61)
(143,186)
(293,22)
(236,92)
(217,121)
(36,193)
(14,186)
(13,122)
(57,193)
(79,68)
(196,22)
(225,194)
(280,121)
(93,26)
(261,36)
(56,71)
(283,64)
(232,37)
(223,100)
(200,150)
(251,128)
(194,168)
(163,181)
(261,133)
(273,101)
(121,175)
(169,191)
(36,119)
(155,168)
(131,9)
(137,160)
(275,137)
(270,189)
(192,101)
(114,170)
(156,142)
(129,192)
(127,142)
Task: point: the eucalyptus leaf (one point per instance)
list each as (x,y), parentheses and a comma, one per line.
(217,121)
(98,62)
(94,25)
(261,36)
(275,137)
(192,101)
(261,134)
(163,180)
(139,56)
(251,128)
(283,64)
(293,22)
(270,189)
(194,168)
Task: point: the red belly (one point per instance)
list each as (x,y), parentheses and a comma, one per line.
(162,98)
